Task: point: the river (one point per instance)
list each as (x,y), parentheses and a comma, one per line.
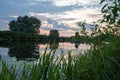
(19,54)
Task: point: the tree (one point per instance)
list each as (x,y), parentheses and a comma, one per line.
(54,36)
(54,33)
(77,35)
(25,24)
(111,11)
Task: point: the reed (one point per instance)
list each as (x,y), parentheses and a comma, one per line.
(101,63)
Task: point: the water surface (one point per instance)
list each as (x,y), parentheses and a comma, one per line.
(19,54)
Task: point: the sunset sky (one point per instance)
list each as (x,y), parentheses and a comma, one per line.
(54,14)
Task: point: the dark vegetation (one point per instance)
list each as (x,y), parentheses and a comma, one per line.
(25,51)
(26,29)
(25,24)
(101,62)
(10,37)
(16,37)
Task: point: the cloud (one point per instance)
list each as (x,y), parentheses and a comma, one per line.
(54,14)
(63,3)
(52,24)
(43,6)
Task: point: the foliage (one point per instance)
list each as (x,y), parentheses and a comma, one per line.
(10,37)
(101,62)
(82,25)
(25,24)
(77,34)
(54,35)
(96,64)
(111,11)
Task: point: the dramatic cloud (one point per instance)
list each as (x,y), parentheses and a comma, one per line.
(54,14)
(63,3)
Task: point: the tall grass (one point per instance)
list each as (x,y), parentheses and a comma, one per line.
(96,64)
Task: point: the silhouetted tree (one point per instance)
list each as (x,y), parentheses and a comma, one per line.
(25,24)
(77,34)
(54,35)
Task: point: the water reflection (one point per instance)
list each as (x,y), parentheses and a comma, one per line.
(77,45)
(31,52)
(25,52)
(53,46)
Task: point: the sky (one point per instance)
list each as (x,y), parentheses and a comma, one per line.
(54,14)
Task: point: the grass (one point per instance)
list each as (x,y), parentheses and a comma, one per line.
(101,63)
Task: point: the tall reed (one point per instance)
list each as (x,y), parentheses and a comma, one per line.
(96,64)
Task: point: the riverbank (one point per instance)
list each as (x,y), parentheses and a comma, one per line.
(101,62)
(9,37)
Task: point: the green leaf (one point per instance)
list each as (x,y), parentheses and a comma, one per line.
(102,1)
(103,10)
